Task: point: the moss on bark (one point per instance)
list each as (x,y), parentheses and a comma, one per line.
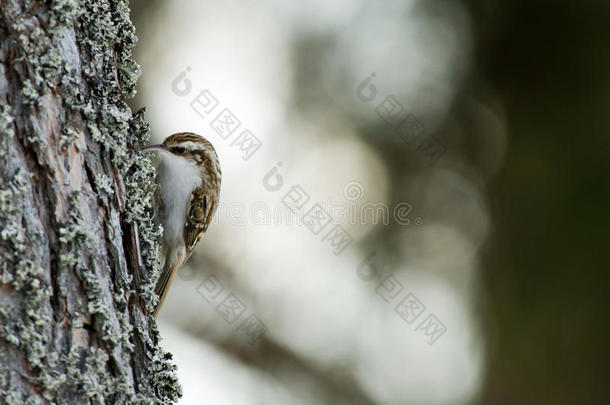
(78,248)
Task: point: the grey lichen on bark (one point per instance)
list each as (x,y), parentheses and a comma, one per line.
(78,248)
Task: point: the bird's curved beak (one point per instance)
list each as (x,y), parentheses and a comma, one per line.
(155,148)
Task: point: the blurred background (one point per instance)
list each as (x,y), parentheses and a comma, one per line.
(410,199)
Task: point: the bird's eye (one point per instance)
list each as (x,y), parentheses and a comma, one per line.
(179,149)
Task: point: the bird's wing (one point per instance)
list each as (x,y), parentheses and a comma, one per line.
(198,218)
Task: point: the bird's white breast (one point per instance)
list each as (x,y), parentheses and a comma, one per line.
(177,177)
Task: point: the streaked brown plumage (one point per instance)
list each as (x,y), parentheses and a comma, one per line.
(188,188)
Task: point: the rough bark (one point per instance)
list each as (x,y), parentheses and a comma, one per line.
(78,249)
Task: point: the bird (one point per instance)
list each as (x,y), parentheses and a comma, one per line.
(188,178)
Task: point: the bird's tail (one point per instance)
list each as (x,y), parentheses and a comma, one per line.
(170,268)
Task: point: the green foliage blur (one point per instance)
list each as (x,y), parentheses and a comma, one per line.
(545,278)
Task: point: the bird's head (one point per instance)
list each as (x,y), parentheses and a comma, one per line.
(187,148)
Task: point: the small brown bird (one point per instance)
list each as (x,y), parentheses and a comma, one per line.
(188,187)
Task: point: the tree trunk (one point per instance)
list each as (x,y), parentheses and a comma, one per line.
(78,249)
